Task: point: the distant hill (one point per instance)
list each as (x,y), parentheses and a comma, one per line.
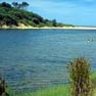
(12,15)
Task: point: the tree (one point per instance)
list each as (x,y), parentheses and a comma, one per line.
(15,4)
(4,4)
(80,77)
(24,4)
(54,23)
(20,5)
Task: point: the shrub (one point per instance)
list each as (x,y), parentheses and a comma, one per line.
(3,88)
(80,77)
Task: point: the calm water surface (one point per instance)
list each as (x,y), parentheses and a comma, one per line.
(33,59)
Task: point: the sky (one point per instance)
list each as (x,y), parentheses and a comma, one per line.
(77,12)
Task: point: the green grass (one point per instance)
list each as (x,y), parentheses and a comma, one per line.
(93,75)
(61,90)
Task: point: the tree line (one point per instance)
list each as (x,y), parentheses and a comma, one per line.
(22,5)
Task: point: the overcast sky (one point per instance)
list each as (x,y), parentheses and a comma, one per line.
(79,12)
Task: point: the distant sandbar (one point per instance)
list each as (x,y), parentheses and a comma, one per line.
(22,26)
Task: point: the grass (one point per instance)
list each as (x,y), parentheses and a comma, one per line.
(93,75)
(60,90)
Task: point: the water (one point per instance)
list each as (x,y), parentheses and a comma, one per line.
(33,59)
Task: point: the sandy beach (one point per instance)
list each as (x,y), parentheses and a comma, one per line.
(22,26)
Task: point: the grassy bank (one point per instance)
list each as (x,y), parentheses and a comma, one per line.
(62,90)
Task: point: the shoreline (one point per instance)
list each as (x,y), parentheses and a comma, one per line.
(47,28)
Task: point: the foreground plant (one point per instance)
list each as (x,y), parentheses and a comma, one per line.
(80,77)
(3,88)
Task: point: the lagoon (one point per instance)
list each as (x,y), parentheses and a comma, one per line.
(35,59)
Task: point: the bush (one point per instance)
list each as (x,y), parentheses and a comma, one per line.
(80,78)
(3,88)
